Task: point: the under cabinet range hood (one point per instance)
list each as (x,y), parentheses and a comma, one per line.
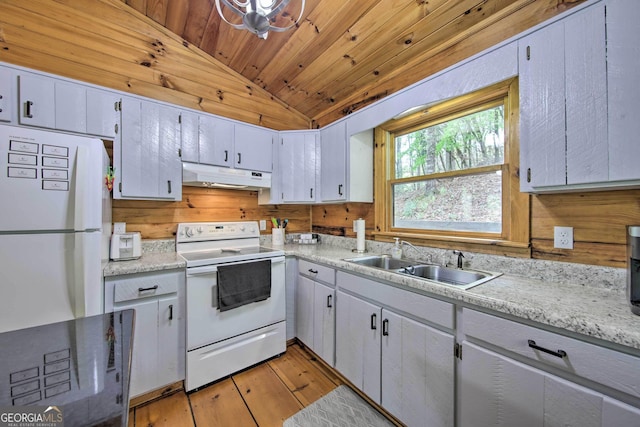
(198,175)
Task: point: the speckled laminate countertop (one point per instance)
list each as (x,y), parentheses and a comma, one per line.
(154,261)
(598,312)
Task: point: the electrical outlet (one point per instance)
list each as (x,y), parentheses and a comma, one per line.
(563,237)
(263,224)
(119,227)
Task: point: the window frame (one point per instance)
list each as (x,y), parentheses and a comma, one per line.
(515,235)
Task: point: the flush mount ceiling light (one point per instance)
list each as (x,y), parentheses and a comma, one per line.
(257,15)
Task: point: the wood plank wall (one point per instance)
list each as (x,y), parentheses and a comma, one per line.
(159,220)
(108,43)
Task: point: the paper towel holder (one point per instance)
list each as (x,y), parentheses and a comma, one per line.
(360,241)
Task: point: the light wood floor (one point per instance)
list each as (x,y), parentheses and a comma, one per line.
(262,396)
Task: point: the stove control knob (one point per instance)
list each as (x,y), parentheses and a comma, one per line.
(242,228)
(188,231)
(199,230)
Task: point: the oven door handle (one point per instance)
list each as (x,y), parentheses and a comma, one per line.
(201,271)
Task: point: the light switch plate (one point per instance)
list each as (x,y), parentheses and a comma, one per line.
(563,237)
(263,224)
(119,227)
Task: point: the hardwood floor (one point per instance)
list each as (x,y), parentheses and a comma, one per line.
(262,396)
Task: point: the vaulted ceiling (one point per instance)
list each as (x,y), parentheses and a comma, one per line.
(344,54)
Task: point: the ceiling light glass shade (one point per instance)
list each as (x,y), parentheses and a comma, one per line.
(257,15)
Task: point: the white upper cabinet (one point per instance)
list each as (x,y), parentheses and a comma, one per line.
(563,102)
(70,107)
(578,101)
(102,112)
(37,101)
(189,137)
(148,152)
(215,141)
(6,95)
(333,169)
(623,63)
(253,148)
(297,171)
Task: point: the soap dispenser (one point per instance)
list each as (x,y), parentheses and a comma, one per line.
(396,251)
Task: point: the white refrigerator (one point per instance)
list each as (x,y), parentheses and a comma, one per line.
(55,225)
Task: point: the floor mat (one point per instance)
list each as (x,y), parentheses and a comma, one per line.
(340,408)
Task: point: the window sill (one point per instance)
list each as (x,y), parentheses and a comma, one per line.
(474,244)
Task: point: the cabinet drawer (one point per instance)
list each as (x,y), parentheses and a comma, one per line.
(317,272)
(605,366)
(420,306)
(145,285)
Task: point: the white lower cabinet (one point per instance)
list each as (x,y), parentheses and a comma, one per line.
(401,363)
(315,310)
(158,339)
(495,390)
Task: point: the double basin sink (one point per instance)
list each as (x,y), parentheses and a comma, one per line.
(458,278)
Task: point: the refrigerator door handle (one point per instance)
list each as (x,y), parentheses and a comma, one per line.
(81,188)
(79,277)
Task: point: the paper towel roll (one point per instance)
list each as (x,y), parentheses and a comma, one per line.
(359,228)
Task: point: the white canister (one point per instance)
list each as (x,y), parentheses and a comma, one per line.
(277,236)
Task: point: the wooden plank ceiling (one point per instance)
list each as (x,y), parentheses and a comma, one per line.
(345,54)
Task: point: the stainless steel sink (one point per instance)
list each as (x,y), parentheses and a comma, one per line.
(382,261)
(461,279)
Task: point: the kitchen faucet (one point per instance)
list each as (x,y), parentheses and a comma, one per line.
(460,256)
(422,254)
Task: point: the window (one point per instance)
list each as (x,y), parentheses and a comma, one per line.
(449,172)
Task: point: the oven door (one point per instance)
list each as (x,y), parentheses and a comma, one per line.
(206,324)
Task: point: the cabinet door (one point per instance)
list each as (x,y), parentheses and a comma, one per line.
(150,165)
(102,113)
(616,413)
(70,107)
(358,343)
(253,148)
(37,101)
(189,129)
(542,108)
(623,63)
(333,167)
(169,351)
(586,96)
(324,323)
(7,80)
(496,391)
(216,141)
(304,311)
(298,167)
(144,362)
(417,371)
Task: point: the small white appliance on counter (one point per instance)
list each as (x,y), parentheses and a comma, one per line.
(235,299)
(54,228)
(126,246)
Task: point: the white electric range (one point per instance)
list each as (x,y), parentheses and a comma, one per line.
(235,299)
